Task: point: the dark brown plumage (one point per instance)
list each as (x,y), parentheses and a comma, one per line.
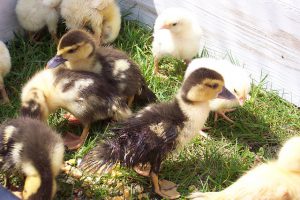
(155,131)
(134,135)
(88,96)
(78,51)
(23,148)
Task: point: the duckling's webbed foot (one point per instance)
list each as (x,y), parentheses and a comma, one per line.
(167,185)
(143,169)
(223,114)
(74,142)
(165,193)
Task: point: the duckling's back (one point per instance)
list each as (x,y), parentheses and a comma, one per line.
(120,70)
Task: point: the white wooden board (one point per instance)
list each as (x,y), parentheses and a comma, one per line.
(264,35)
(8,19)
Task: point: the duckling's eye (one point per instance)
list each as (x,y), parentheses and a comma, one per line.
(235,91)
(72,51)
(174,24)
(214,86)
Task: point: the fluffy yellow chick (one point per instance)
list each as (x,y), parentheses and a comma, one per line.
(276,180)
(102,16)
(33,15)
(5,65)
(237,80)
(177,34)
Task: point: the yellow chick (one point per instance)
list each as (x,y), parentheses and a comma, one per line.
(31,147)
(237,80)
(177,34)
(103,17)
(5,66)
(276,180)
(33,15)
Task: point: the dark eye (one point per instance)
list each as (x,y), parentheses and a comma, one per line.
(214,86)
(235,91)
(174,24)
(72,50)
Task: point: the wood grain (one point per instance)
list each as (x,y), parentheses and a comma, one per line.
(264,35)
(8,19)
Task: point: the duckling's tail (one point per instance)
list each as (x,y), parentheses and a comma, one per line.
(146,96)
(102,157)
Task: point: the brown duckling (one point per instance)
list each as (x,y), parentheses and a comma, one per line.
(78,51)
(157,130)
(23,149)
(87,96)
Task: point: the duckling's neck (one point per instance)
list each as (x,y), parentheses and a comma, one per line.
(89,64)
(197,114)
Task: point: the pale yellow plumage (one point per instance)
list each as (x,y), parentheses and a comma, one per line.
(33,15)
(275,180)
(5,66)
(102,16)
(176,34)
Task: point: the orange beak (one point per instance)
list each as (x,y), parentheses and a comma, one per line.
(166,26)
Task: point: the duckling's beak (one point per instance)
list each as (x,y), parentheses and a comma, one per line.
(55,61)
(226,94)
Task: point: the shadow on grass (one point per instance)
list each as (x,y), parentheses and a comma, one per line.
(249,129)
(207,165)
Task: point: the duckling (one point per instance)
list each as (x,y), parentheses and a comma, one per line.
(157,130)
(103,17)
(276,180)
(33,15)
(78,51)
(23,148)
(5,66)
(177,34)
(237,80)
(84,94)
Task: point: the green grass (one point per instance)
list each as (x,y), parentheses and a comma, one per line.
(260,126)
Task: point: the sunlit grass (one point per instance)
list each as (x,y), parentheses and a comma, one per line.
(260,126)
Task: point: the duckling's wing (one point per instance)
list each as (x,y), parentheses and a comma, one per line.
(134,143)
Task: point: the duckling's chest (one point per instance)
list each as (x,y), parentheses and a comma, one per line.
(197,117)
